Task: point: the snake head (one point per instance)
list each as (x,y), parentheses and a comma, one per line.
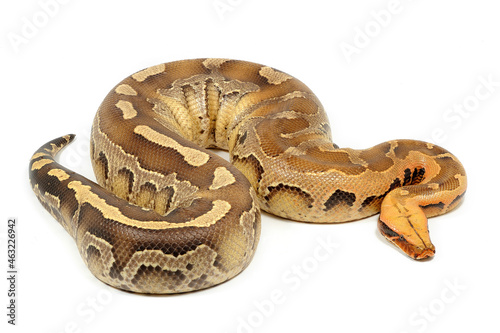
(411,243)
(406,227)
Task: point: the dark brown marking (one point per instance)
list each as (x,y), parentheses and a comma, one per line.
(339,197)
(242,138)
(368,201)
(439,205)
(408,177)
(149,187)
(154,274)
(415,177)
(395,184)
(386,230)
(93,254)
(325,128)
(457,199)
(250,167)
(191,105)
(418,176)
(283,188)
(198,283)
(126,173)
(163,200)
(102,161)
(212,103)
(375,201)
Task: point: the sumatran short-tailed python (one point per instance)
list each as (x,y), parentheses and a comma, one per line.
(170,216)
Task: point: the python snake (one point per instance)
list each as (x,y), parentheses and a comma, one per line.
(170,216)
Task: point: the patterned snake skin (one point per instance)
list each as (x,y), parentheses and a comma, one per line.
(170,216)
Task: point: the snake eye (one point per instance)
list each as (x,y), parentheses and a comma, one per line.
(401,238)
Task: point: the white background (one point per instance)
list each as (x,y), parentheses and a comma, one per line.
(406,79)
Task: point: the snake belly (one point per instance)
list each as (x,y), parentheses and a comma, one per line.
(170,216)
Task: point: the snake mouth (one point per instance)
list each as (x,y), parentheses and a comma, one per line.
(424,254)
(416,251)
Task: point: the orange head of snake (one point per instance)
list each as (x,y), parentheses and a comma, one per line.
(413,244)
(406,227)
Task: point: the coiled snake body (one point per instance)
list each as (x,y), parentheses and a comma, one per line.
(170,216)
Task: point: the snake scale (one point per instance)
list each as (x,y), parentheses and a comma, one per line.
(170,216)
